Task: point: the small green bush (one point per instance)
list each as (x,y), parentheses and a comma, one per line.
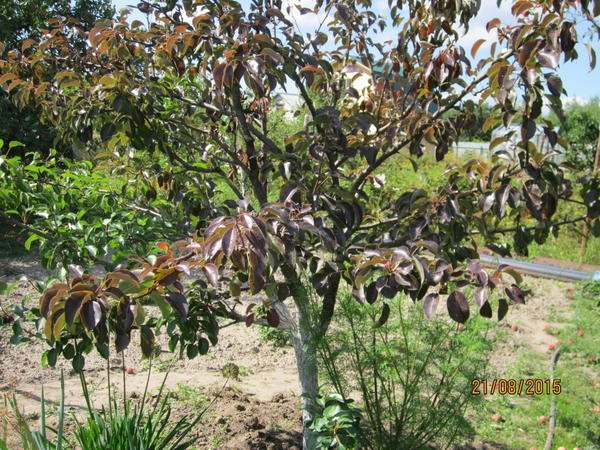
(413,374)
(336,423)
(75,212)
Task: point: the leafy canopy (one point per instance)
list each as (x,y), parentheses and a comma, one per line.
(193,96)
(18,20)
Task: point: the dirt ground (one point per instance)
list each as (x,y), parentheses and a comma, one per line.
(261,410)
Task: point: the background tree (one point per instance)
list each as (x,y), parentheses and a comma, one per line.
(476,116)
(20,19)
(303,219)
(581,130)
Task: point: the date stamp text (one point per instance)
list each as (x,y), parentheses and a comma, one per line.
(511,386)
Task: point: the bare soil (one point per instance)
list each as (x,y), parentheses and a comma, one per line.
(260,410)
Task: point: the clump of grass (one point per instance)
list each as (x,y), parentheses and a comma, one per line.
(191,395)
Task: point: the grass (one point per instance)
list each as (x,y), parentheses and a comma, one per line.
(566,247)
(190,395)
(579,371)
(164,363)
(400,174)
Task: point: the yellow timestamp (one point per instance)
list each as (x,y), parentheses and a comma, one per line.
(511,386)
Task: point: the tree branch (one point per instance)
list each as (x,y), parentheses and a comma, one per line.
(238,110)
(395,149)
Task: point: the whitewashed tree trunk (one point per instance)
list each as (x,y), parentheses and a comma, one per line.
(309,381)
(306,361)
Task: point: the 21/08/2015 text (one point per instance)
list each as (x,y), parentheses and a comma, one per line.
(511,386)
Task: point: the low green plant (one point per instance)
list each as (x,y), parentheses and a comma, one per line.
(133,427)
(125,426)
(34,439)
(80,212)
(191,395)
(412,374)
(336,423)
(233,371)
(275,337)
(591,289)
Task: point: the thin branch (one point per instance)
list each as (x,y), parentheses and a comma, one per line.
(264,139)
(368,226)
(533,227)
(240,318)
(309,103)
(552,421)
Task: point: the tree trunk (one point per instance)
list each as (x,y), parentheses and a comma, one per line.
(309,382)
(306,358)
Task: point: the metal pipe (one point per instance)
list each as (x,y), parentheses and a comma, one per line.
(539,270)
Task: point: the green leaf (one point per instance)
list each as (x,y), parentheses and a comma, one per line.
(173,342)
(69,351)
(49,358)
(93,251)
(162,304)
(30,240)
(192,351)
(331,411)
(78,363)
(203,346)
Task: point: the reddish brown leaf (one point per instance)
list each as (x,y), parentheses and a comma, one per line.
(385,314)
(229,241)
(476,46)
(458,307)
(494,23)
(91,314)
(211,272)
(481,296)
(178,302)
(430,303)
(272,318)
(486,310)
(72,305)
(515,294)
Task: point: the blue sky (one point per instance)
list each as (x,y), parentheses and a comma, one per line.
(579,82)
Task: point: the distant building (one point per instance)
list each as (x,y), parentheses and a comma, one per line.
(287,102)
